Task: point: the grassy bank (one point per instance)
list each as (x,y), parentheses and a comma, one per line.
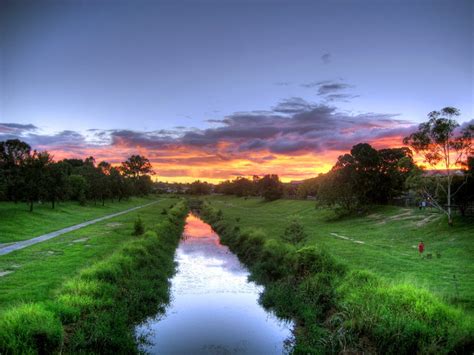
(35,273)
(95,311)
(383,242)
(338,307)
(17,223)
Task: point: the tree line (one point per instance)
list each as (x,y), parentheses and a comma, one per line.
(30,176)
(366,176)
(363,176)
(360,178)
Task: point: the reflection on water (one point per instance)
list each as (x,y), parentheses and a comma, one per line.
(214,309)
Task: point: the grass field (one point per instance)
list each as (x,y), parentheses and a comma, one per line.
(35,273)
(17,223)
(384,241)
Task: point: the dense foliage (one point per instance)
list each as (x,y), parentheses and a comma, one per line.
(269,187)
(31,176)
(366,176)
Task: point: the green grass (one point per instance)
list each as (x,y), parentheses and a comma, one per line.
(96,309)
(390,235)
(336,304)
(38,271)
(17,223)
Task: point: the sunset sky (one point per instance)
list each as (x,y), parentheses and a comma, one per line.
(219,89)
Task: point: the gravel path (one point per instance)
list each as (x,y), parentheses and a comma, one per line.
(42,238)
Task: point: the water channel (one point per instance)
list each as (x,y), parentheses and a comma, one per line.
(214,308)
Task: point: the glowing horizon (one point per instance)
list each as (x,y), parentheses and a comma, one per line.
(216,90)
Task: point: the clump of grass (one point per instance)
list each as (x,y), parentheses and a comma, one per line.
(402,318)
(29,328)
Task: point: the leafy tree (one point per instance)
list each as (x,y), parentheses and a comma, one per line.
(239,187)
(13,154)
(103,181)
(77,186)
(56,182)
(73,163)
(440,141)
(396,165)
(200,188)
(94,178)
(143,185)
(118,185)
(3,184)
(243,187)
(338,190)
(35,168)
(365,176)
(136,166)
(270,187)
(309,187)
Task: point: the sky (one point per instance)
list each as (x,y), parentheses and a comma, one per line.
(214,90)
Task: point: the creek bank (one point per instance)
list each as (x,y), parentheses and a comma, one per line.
(341,310)
(96,311)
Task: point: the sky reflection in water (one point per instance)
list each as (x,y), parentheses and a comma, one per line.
(214,309)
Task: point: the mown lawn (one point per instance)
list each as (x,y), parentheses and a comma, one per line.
(37,272)
(385,241)
(17,223)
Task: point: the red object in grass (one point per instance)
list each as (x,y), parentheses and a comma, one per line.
(421,247)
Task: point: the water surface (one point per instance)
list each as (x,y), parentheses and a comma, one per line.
(214,309)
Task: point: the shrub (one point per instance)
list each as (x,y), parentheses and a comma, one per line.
(294,232)
(138,227)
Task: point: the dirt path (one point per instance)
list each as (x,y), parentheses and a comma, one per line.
(26,243)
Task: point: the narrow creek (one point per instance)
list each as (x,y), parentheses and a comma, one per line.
(214,308)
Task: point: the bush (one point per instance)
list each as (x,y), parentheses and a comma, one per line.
(294,232)
(138,227)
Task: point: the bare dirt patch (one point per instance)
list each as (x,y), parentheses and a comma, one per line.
(426,220)
(407,214)
(114,224)
(80,240)
(347,238)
